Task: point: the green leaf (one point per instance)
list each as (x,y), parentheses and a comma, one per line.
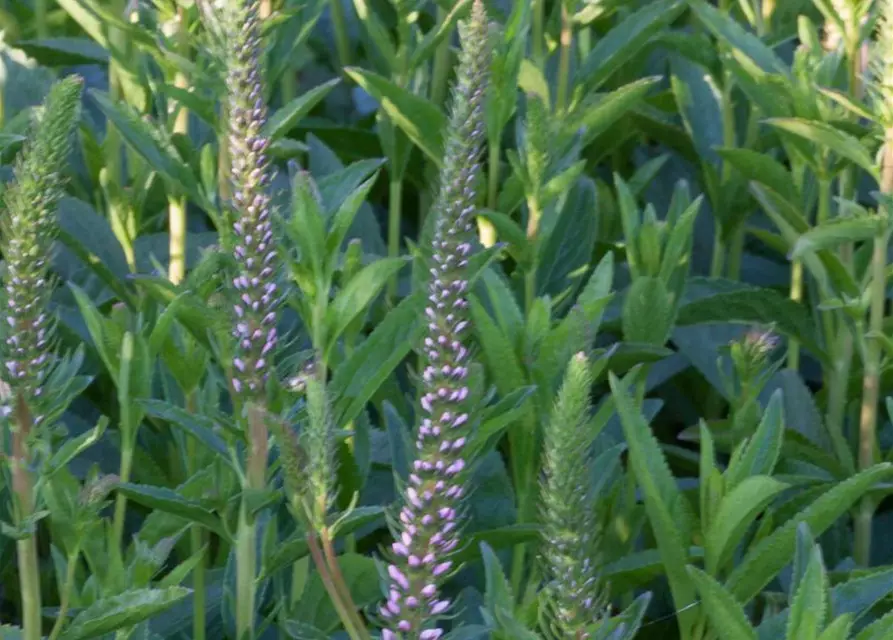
(161,157)
(648,312)
(829,138)
(360,576)
(73,447)
(570,242)
(737,511)
(441,31)
(625,41)
(198,426)
(57,52)
(498,593)
(761,453)
(839,629)
(725,614)
(626,625)
(169,501)
(285,119)
(597,118)
(353,299)
(497,418)
(356,379)
(753,305)
(510,232)
(667,511)
(419,118)
(879,630)
(808,608)
(699,101)
(344,217)
(834,233)
(762,168)
(727,29)
(106,345)
(498,353)
(768,557)
(855,598)
(296,547)
(122,611)
(306,225)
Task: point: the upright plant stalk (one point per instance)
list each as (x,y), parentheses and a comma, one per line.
(797,296)
(538,34)
(339,25)
(196,540)
(868,414)
(177,203)
(29,228)
(564,61)
(395,185)
(40,18)
(440,75)
(255,311)
(842,352)
(429,523)
(882,72)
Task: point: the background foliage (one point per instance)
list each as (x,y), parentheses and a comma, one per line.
(694,193)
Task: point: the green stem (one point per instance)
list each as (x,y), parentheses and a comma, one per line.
(40,18)
(246,543)
(26,548)
(65,596)
(719,253)
(341,586)
(344,614)
(112,142)
(486,230)
(395,215)
(342,41)
(197,538)
(584,42)
(868,414)
(564,61)
(539,43)
(797,296)
(246,572)
(736,252)
(177,204)
(440,75)
(493,173)
(124,472)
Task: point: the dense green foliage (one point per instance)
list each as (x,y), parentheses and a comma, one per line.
(420,319)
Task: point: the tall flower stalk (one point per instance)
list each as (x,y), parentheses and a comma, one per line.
(570,525)
(429,523)
(255,310)
(29,228)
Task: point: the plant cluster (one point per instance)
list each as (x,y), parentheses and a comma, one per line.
(435,319)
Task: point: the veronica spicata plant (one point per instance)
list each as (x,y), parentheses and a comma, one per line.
(29,229)
(429,523)
(255,310)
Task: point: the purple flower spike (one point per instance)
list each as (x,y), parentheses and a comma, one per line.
(432,515)
(252,226)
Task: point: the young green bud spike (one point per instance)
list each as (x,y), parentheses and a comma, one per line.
(570,532)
